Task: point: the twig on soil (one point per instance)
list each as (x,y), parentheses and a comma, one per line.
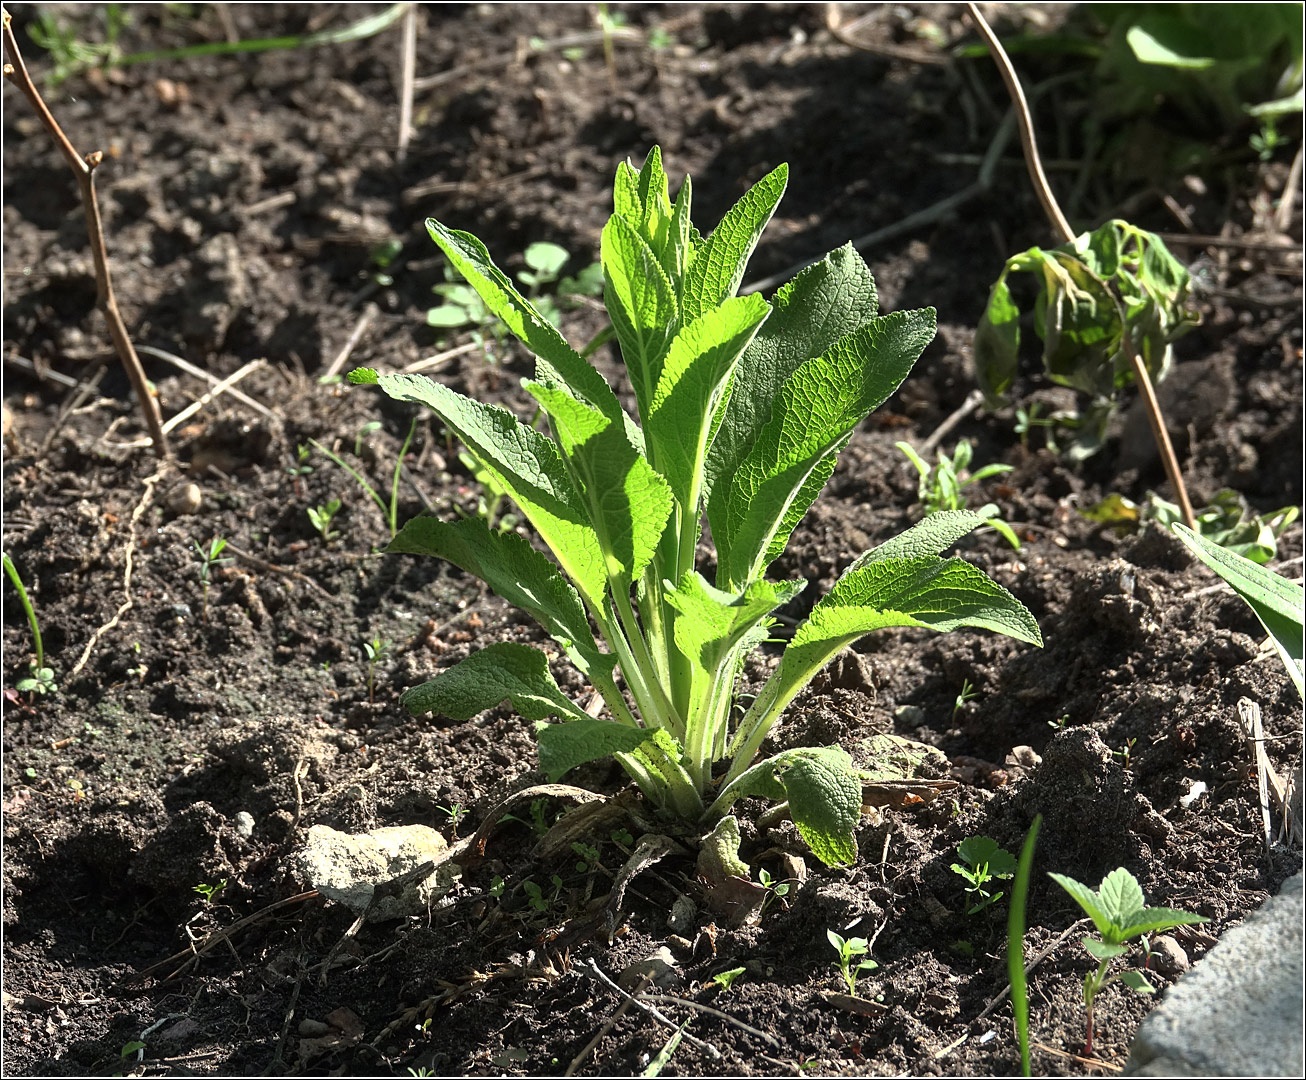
(150,482)
(273,568)
(42,371)
(1061,940)
(453,187)
(706,1047)
(84,168)
(1092,1063)
(200,373)
(73,402)
(1268,780)
(959,414)
(608,1025)
(216,390)
(770,1039)
(440,359)
(407,71)
(212,939)
(351,343)
(833,23)
(1059,224)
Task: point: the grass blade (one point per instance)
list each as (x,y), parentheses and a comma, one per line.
(1016,944)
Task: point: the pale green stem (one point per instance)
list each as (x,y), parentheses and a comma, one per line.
(662,714)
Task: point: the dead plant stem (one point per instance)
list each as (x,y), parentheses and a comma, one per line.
(105,300)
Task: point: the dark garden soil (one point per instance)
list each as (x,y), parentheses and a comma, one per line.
(242,198)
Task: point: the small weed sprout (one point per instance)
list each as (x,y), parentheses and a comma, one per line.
(848,949)
(984,862)
(209,892)
(455,813)
(1117,910)
(968,694)
(363,432)
(390,510)
(1028,418)
(941,486)
(41,679)
(726,979)
(1125,753)
(321,517)
(496,886)
(209,558)
(376,649)
(775,890)
(588,857)
(299,468)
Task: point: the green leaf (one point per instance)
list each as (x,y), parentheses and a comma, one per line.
(824,303)
(1102,951)
(817,408)
(1136,982)
(718,267)
(930,536)
(527,465)
(997,343)
(556,361)
(628,502)
(641,303)
(1087,899)
(515,571)
(1276,602)
(1152,920)
(504,671)
(574,742)
(824,793)
(701,358)
(1120,896)
(545,258)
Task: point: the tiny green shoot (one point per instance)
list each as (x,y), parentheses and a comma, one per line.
(1016,943)
(299,468)
(209,558)
(455,813)
(209,892)
(849,949)
(967,694)
(1117,910)
(726,979)
(376,649)
(983,862)
(941,486)
(41,679)
(775,890)
(390,510)
(321,517)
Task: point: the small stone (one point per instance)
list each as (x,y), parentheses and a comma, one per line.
(1169,956)
(180,611)
(313,1029)
(682,916)
(661,968)
(244,823)
(186,499)
(349,868)
(909,714)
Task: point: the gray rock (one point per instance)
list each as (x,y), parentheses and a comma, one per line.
(1238,1012)
(244,824)
(661,968)
(348,868)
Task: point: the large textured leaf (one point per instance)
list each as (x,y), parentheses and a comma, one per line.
(818,406)
(628,502)
(824,794)
(502,672)
(997,343)
(824,303)
(642,304)
(930,536)
(518,573)
(556,361)
(1276,602)
(525,463)
(701,358)
(574,742)
(718,266)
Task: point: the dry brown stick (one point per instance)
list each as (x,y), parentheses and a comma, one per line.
(608,1025)
(1283,217)
(1058,221)
(993,1004)
(200,373)
(214,391)
(84,168)
(408,70)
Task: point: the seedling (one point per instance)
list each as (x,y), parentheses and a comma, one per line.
(775,890)
(390,510)
(208,892)
(299,468)
(456,812)
(941,486)
(535,894)
(588,857)
(496,886)
(41,679)
(848,949)
(363,432)
(376,649)
(1125,753)
(321,517)
(209,558)
(1016,943)
(1027,419)
(984,862)
(726,979)
(967,694)
(744,406)
(382,256)
(1118,913)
